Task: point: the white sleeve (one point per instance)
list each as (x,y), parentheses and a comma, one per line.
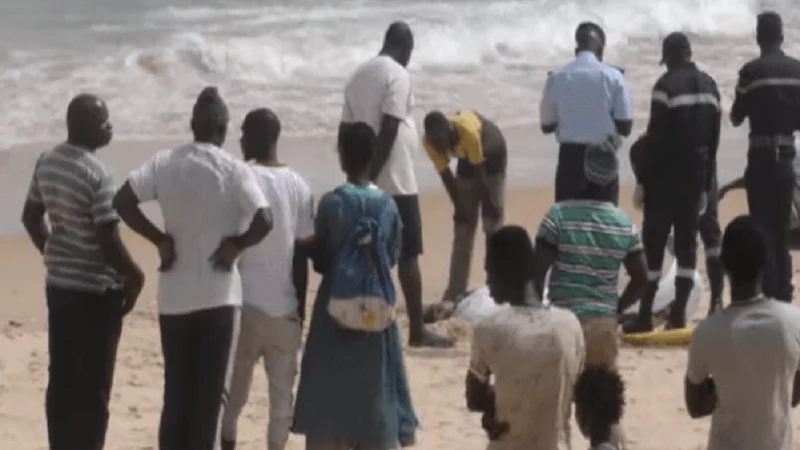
(143,179)
(304,227)
(398,95)
(548,114)
(248,194)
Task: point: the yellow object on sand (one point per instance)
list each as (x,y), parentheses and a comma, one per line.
(661,338)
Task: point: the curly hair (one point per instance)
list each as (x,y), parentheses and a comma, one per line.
(600,393)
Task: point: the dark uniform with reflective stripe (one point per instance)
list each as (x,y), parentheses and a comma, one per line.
(768,93)
(682,137)
(710,231)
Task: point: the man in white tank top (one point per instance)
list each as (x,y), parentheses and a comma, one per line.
(274,282)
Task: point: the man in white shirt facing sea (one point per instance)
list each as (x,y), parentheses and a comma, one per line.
(274,284)
(213,210)
(584,103)
(379,94)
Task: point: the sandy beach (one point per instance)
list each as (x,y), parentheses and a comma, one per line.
(655,416)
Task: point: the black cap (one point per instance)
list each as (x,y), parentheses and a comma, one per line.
(769,25)
(675,45)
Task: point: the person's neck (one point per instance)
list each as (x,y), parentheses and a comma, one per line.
(209,141)
(390,52)
(744,292)
(359,180)
(517,296)
(80,145)
(672,65)
(269,159)
(770,49)
(599,435)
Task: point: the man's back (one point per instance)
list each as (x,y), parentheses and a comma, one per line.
(267,267)
(592,240)
(379,87)
(76,190)
(535,354)
(199,188)
(752,352)
(769,87)
(584,98)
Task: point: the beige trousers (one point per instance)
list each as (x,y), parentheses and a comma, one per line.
(602,349)
(277,340)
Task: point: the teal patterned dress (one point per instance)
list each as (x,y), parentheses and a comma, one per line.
(353,384)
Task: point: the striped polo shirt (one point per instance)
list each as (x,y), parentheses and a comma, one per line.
(592,239)
(76,190)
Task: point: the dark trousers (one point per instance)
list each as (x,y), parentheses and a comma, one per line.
(571,180)
(198,350)
(769,180)
(711,235)
(84,332)
(663,213)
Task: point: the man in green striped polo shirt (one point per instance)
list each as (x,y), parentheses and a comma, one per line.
(585,241)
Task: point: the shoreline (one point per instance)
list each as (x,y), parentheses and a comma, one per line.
(532,160)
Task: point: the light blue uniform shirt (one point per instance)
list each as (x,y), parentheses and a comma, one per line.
(583,99)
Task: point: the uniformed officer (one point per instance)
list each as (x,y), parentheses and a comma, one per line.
(682,140)
(710,231)
(584,103)
(768,93)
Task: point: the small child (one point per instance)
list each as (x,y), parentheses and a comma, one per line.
(599,403)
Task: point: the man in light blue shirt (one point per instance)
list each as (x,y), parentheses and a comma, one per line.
(584,103)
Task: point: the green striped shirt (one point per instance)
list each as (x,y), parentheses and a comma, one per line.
(592,239)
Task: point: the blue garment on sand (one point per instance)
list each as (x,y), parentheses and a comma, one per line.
(353,383)
(362,265)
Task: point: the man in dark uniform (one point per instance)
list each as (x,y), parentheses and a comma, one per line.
(710,231)
(768,93)
(683,135)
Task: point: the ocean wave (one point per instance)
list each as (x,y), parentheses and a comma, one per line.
(296,57)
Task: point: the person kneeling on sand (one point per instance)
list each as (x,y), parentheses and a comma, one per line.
(585,241)
(744,360)
(274,284)
(534,351)
(477,189)
(599,404)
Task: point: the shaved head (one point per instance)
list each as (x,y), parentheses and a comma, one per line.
(88,124)
(398,42)
(589,36)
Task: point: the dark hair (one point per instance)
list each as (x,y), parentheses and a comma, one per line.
(510,251)
(744,250)
(435,120)
(356,147)
(600,395)
(584,32)
(263,121)
(769,28)
(210,114)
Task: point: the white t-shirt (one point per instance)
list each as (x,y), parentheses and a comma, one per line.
(205,195)
(267,267)
(752,352)
(382,86)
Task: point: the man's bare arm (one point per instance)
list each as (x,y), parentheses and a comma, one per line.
(33,220)
(383,147)
(636,265)
(624,127)
(544,255)
(127,205)
(700,399)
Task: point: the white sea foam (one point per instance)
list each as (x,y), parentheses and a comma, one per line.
(493,56)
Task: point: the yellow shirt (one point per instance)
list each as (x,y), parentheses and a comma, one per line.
(468,127)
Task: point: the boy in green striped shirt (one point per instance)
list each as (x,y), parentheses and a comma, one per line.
(585,241)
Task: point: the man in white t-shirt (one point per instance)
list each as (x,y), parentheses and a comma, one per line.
(744,360)
(274,283)
(213,210)
(379,94)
